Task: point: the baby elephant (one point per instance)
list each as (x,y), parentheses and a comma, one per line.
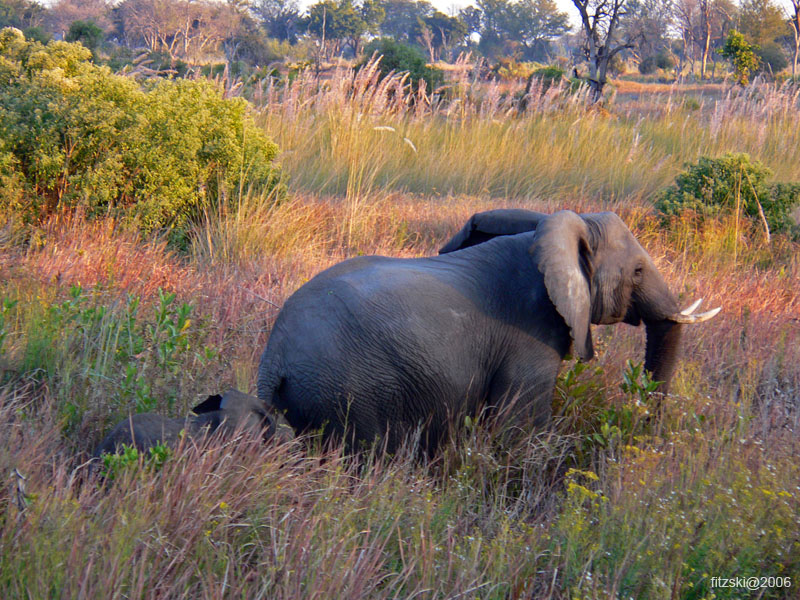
(233,411)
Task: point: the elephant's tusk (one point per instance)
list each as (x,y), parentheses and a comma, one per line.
(688,311)
(682,318)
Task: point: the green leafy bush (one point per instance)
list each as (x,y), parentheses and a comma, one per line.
(772,58)
(716,185)
(73,134)
(650,64)
(549,76)
(87,33)
(400,58)
(510,69)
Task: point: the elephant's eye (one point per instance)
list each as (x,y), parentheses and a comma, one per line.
(637,272)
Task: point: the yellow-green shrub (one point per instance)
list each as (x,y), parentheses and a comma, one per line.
(73,134)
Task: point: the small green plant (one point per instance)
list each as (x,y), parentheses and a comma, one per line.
(95,354)
(169,330)
(130,458)
(5,308)
(579,397)
(114,464)
(732,182)
(741,54)
(159,455)
(691,103)
(623,423)
(638,383)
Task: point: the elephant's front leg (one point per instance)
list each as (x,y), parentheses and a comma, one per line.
(522,394)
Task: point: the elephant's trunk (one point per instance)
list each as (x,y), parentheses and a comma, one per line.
(658,307)
(663,340)
(661,352)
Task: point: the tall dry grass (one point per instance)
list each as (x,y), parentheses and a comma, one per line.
(491,518)
(350,134)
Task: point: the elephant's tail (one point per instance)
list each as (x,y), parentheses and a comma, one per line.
(270,377)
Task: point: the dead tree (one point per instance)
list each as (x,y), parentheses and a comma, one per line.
(600,20)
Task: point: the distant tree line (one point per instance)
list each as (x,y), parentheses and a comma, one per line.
(189,29)
(684,35)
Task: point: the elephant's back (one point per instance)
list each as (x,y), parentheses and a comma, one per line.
(381,338)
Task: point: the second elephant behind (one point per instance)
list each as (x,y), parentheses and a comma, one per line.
(217,415)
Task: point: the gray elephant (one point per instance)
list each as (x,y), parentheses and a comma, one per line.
(375,347)
(223,414)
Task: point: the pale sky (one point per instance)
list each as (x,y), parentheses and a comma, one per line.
(446,5)
(450,7)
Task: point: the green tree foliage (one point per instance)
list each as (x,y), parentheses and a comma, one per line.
(280,18)
(400,58)
(73,134)
(662,60)
(648,24)
(438,32)
(417,23)
(87,33)
(772,58)
(496,20)
(472,17)
(741,54)
(19,13)
(537,23)
(523,28)
(402,17)
(761,21)
(716,185)
(184,29)
(342,22)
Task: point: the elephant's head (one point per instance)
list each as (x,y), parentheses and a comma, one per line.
(235,410)
(596,272)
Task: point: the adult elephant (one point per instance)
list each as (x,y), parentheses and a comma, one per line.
(376,346)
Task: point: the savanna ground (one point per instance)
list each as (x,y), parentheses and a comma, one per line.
(615,499)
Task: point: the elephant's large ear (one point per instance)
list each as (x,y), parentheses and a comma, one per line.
(484,226)
(210,404)
(562,250)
